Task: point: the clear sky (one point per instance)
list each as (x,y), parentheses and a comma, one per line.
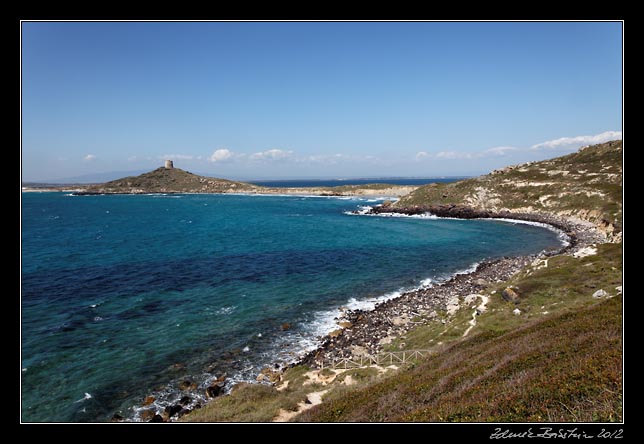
(294,100)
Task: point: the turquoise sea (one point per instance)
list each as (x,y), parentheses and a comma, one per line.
(124,296)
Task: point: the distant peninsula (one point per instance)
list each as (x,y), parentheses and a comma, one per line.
(168,180)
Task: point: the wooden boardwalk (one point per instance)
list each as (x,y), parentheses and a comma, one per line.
(382,359)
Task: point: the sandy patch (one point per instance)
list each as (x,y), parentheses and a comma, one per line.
(314,398)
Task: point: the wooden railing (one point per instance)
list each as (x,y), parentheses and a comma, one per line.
(384,358)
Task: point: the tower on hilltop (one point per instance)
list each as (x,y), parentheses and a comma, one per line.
(169,165)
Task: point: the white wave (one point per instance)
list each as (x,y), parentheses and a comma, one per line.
(85,397)
(225,310)
(98,319)
(561,235)
(364,211)
(246,349)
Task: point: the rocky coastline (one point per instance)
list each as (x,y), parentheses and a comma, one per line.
(367,333)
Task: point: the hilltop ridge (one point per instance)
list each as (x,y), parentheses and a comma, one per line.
(170,180)
(585,185)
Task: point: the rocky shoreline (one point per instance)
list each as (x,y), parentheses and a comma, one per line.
(364,333)
(367,332)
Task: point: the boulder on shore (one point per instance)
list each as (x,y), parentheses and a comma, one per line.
(511,294)
(214,390)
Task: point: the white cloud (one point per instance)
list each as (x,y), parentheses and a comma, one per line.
(177,157)
(221,155)
(573,143)
(89,157)
(454,155)
(499,151)
(273,154)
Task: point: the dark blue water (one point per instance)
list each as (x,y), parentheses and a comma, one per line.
(123,296)
(339,182)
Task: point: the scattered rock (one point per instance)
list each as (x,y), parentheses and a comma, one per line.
(400,320)
(187,384)
(116,418)
(452,305)
(149,400)
(147,415)
(270,375)
(345,324)
(618,289)
(600,294)
(172,410)
(371,329)
(157,418)
(516,311)
(214,390)
(285,326)
(357,350)
(185,400)
(511,294)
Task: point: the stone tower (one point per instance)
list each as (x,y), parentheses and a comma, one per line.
(169,165)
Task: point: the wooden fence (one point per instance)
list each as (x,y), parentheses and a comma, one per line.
(382,359)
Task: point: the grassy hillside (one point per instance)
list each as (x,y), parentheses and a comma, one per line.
(536,373)
(553,355)
(586,184)
(174,180)
(559,361)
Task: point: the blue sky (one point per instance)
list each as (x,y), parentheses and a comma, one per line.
(317,99)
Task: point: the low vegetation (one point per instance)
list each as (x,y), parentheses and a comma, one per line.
(171,180)
(585,184)
(553,355)
(559,369)
(559,360)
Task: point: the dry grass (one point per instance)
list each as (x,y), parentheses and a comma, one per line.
(564,368)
